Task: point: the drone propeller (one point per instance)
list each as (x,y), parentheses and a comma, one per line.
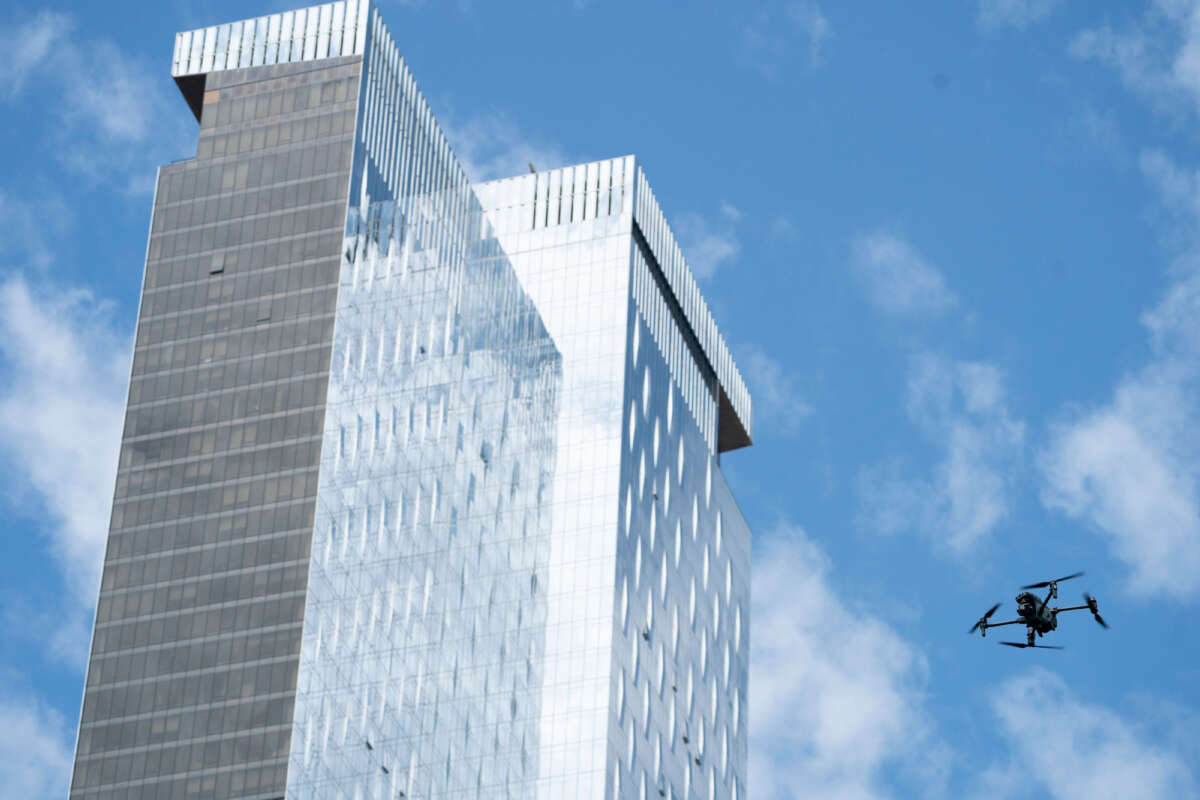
(1043,584)
(1092,606)
(983,620)
(1023,644)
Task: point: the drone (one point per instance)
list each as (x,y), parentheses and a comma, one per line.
(1037,614)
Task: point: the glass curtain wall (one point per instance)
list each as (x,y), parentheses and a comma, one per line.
(425,623)
(647,637)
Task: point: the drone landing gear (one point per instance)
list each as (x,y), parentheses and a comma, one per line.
(1023,645)
(1030,642)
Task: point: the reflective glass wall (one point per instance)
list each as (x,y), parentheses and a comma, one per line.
(647,637)
(425,624)
(568,235)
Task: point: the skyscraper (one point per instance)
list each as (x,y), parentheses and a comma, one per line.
(419,496)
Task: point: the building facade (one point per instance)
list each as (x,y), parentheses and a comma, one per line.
(420,490)
(647,640)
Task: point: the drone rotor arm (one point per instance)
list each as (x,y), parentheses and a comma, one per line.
(982,625)
(1094,607)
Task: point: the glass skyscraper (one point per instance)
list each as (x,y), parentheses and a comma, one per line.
(420,490)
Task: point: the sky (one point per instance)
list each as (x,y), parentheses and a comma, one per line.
(955,248)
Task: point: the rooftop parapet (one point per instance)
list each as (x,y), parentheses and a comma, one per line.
(306,34)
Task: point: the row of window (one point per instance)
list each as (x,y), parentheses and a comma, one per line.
(109,768)
(265,227)
(192,624)
(190,385)
(199,587)
(247,463)
(244,537)
(201,296)
(214,499)
(269,428)
(188,723)
(280,134)
(240,204)
(258,781)
(172,656)
(305,304)
(263,100)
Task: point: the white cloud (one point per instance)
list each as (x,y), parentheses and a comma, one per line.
(1132,467)
(35,751)
(112,116)
(961,409)
(24,48)
(1076,750)
(1014,13)
(896,278)
(837,705)
(491,146)
(708,242)
(784,228)
(778,402)
(29,229)
(65,371)
(1099,129)
(1179,191)
(771,36)
(1158,56)
(813,26)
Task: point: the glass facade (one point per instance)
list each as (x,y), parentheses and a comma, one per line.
(647,640)
(422,659)
(420,490)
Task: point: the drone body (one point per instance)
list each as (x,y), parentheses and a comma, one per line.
(1036,614)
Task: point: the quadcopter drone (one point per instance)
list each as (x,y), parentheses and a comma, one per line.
(1036,614)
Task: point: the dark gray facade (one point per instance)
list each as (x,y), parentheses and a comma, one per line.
(193,669)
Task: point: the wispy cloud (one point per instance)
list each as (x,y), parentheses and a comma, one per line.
(29,226)
(770,38)
(35,750)
(896,279)
(1100,129)
(1158,56)
(708,241)
(25,47)
(838,704)
(1075,750)
(1132,466)
(64,370)
(961,409)
(110,115)
(1179,191)
(779,404)
(1014,13)
(492,145)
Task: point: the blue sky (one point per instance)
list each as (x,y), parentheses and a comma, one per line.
(955,248)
